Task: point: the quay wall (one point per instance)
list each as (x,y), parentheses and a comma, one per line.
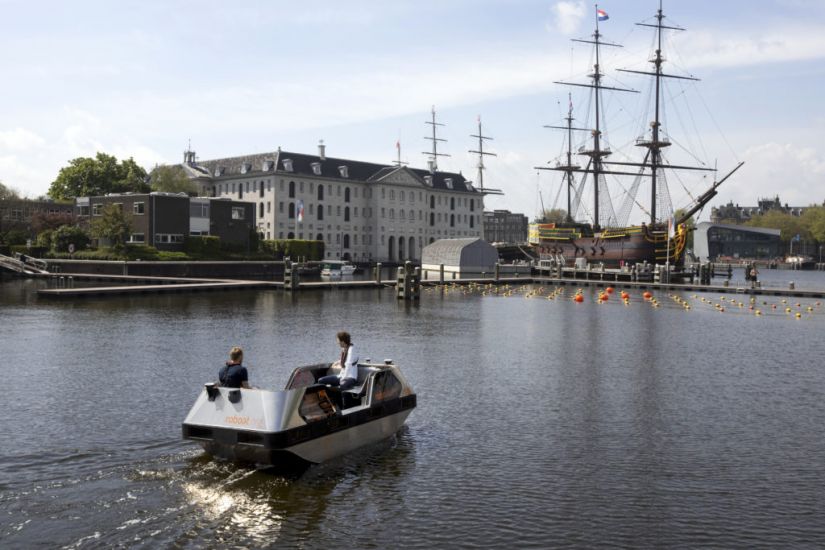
(260,270)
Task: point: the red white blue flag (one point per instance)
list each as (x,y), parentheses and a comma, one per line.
(300,211)
(602,15)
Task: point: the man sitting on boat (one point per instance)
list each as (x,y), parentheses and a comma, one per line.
(348,376)
(233,374)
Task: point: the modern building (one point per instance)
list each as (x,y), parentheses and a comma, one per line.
(503,226)
(164,220)
(712,241)
(469,255)
(734,214)
(23,214)
(362,211)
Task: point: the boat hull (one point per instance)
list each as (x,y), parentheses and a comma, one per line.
(613,248)
(314,443)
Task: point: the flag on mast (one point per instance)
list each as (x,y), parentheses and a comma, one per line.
(300,211)
(602,15)
(671,230)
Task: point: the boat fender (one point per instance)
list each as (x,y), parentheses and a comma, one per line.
(234,396)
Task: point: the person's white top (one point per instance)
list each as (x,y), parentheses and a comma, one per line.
(350,367)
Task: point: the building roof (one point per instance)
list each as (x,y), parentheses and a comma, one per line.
(305,165)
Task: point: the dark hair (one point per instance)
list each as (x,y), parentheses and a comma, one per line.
(344,337)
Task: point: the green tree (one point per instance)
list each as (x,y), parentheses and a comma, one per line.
(171,179)
(553,215)
(814,221)
(8,193)
(113,225)
(90,177)
(789,225)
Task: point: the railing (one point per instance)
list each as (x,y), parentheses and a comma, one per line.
(23,264)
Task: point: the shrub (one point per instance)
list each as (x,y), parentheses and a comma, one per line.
(45,238)
(203,246)
(169,256)
(311,250)
(68,234)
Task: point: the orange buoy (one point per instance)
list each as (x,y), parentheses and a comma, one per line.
(609,290)
(647,295)
(578,298)
(625,295)
(603,297)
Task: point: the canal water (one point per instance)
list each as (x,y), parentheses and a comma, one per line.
(541,422)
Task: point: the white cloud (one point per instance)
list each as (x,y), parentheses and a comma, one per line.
(793,172)
(568,16)
(20,139)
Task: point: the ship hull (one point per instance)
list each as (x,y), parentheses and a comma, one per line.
(614,248)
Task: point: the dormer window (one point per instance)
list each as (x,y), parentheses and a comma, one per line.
(448,182)
(219,171)
(428,180)
(245,167)
(268,165)
(287,165)
(316,168)
(344,171)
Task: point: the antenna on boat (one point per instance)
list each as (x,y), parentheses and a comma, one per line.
(433,161)
(481,154)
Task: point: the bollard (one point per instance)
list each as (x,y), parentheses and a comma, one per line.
(71,282)
(441,274)
(416,287)
(498,271)
(378,273)
(399,283)
(791,286)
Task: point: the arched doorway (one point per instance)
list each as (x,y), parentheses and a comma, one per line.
(391,248)
(411,248)
(400,249)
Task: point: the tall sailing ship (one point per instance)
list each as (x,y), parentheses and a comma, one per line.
(607,238)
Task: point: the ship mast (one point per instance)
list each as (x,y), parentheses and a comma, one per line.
(598,152)
(481,154)
(433,160)
(568,168)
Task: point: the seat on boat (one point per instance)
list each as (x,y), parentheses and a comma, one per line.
(352,396)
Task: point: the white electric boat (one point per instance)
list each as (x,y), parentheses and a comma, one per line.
(307,421)
(335,269)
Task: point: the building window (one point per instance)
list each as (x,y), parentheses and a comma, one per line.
(452,203)
(301,187)
(240,190)
(392,194)
(291,210)
(346,213)
(261,210)
(338,210)
(320,211)
(472,205)
(320,192)
(355,212)
(471,222)
(452,220)
(139,208)
(383,212)
(432,218)
(238,213)
(97,209)
(137,238)
(346,241)
(346,194)
(292,190)
(268,207)
(432,201)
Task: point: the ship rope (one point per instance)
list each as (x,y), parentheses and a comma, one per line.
(663,202)
(576,201)
(605,204)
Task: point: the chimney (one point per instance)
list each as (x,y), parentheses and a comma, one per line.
(322,150)
(431,166)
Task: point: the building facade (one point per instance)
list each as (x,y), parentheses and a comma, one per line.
(164,220)
(503,226)
(362,211)
(712,241)
(734,214)
(23,214)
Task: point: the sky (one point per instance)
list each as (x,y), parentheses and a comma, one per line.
(144,79)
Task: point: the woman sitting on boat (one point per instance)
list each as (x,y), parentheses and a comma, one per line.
(348,376)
